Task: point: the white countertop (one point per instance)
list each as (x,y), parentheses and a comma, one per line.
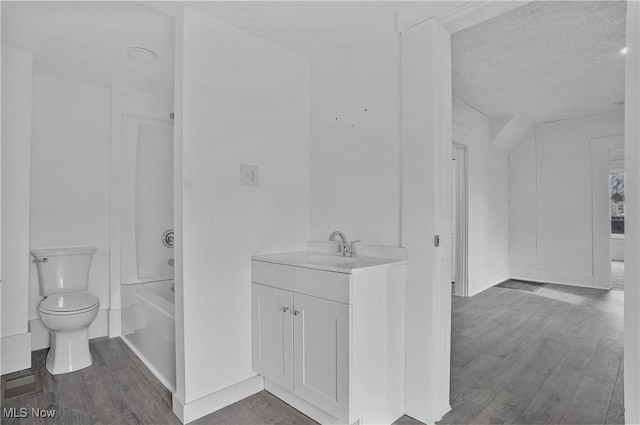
(323,261)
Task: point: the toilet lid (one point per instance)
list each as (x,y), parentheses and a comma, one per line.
(67,303)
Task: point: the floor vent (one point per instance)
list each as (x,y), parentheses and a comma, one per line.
(20,384)
(521,284)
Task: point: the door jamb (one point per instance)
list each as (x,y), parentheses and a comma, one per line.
(462,228)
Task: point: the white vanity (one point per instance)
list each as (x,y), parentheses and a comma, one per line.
(328,333)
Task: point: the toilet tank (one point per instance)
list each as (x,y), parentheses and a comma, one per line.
(63,269)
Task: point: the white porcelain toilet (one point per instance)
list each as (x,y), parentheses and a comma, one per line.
(68,309)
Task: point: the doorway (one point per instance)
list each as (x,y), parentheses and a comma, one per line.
(459,224)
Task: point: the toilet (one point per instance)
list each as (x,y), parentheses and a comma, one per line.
(68,309)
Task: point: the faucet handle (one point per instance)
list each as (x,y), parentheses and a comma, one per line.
(351,249)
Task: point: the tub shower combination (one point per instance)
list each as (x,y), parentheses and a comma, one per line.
(148,303)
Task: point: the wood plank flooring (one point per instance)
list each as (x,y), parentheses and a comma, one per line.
(553,356)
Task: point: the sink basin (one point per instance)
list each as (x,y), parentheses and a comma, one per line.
(325,261)
(328,260)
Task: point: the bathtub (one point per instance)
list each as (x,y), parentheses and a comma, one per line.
(148,327)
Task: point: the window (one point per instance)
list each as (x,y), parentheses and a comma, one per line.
(616,192)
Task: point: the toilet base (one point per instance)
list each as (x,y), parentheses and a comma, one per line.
(69,351)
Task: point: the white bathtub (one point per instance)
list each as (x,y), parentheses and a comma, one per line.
(148,327)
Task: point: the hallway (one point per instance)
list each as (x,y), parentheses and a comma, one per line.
(553,356)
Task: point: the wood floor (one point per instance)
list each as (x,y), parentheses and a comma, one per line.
(553,356)
(545,357)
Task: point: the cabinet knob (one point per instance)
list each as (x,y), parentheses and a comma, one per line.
(296,312)
(285,309)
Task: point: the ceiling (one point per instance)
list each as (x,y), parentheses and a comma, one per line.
(542,61)
(88,41)
(320,29)
(546,60)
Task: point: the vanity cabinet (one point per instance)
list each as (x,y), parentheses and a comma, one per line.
(272,334)
(301,343)
(331,344)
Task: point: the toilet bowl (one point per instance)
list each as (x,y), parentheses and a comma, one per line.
(68,317)
(68,309)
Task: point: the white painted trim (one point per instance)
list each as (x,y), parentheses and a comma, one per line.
(614,142)
(616,165)
(555,282)
(115,162)
(303,406)
(16,352)
(492,279)
(189,412)
(600,167)
(461,17)
(462,267)
(462,134)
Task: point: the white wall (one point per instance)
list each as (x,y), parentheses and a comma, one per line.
(16,147)
(427,211)
(355,144)
(632,215)
(70,182)
(488,201)
(551,222)
(244,101)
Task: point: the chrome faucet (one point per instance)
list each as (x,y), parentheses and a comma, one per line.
(342,243)
(351,249)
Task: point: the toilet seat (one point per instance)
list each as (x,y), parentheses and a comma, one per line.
(68,304)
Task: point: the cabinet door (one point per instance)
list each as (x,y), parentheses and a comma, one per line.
(272,334)
(321,353)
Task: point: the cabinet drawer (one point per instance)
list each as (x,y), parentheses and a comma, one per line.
(318,283)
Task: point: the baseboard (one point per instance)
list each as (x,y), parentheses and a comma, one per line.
(488,281)
(296,402)
(189,412)
(437,416)
(40,336)
(559,279)
(16,353)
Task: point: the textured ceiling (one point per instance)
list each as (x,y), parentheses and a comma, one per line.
(546,60)
(88,41)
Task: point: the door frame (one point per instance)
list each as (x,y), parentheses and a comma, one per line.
(601,226)
(428,359)
(461,285)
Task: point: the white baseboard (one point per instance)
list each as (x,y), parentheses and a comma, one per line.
(477,285)
(557,278)
(303,406)
(41,338)
(189,412)
(16,353)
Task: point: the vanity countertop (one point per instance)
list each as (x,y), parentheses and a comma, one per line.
(327,262)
